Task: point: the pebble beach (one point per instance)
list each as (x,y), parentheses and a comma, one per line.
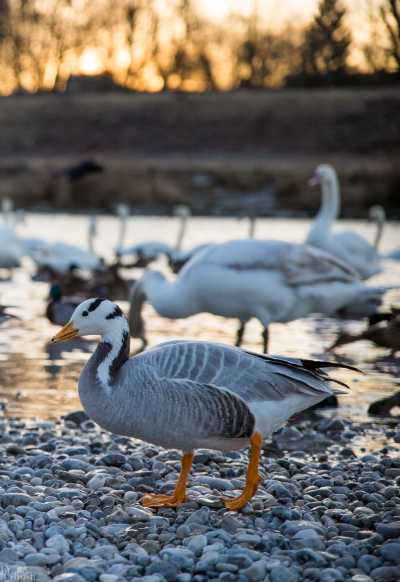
(328,507)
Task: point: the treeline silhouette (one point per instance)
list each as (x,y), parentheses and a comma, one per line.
(144,48)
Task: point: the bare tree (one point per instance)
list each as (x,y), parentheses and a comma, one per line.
(390,13)
(327,41)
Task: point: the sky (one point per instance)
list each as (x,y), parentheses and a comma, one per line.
(276,10)
(277,13)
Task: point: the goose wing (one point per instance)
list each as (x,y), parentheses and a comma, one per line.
(187,395)
(178,412)
(253,377)
(299,264)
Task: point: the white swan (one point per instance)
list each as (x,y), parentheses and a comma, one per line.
(271,281)
(348,246)
(61,256)
(11,251)
(149,251)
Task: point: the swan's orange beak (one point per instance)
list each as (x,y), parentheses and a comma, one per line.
(66,333)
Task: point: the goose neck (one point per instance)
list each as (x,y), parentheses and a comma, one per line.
(111,354)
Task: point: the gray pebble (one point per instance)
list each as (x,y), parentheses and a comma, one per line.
(256,571)
(368,562)
(389,530)
(307,538)
(391,552)
(389,573)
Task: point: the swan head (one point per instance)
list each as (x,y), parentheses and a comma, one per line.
(377,213)
(182,211)
(323,174)
(95,316)
(122,211)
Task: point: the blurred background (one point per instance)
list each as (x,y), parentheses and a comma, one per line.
(158,116)
(221,104)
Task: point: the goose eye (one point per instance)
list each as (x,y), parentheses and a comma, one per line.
(85,313)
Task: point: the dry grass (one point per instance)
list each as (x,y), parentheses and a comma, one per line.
(153,146)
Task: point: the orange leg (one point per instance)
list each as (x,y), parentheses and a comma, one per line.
(179,494)
(252,477)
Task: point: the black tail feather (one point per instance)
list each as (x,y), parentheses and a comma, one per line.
(316,364)
(313,366)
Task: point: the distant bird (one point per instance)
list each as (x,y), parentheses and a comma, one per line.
(60,256)
(377,215)
(384,406)
(384,315)
(11,251)
(385,334)
(82,169)
(348,246)
(186,394)
(4,316)
(59,308)
(271,281)
(147,252)
(178,259)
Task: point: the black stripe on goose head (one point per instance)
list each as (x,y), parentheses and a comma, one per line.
(94,305)
(116,313)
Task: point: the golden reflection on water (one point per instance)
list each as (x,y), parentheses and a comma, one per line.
(38,379)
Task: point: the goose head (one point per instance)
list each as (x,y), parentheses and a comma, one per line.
(95,316)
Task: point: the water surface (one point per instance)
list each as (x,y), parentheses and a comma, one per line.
(38,379)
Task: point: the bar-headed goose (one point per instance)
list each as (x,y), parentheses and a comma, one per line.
(187,394)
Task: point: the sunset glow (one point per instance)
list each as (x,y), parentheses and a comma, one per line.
(90,62)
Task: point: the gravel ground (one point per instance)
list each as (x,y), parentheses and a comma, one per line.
(70,511)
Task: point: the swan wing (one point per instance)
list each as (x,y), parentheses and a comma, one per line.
(299,264)
(307,265)
(354,243)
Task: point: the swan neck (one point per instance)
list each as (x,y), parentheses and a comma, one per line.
(168,298)
(379,232)
(181,233)
(330,206)
(91,235)
(122,232)
(252,226)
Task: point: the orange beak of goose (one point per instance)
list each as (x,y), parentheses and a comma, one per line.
(66,333)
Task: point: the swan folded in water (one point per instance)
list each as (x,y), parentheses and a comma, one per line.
(187,394)
(271,281)
(60,256)
(348,246)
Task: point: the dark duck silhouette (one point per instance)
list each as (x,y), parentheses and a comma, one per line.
(59,308)
(384,332)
